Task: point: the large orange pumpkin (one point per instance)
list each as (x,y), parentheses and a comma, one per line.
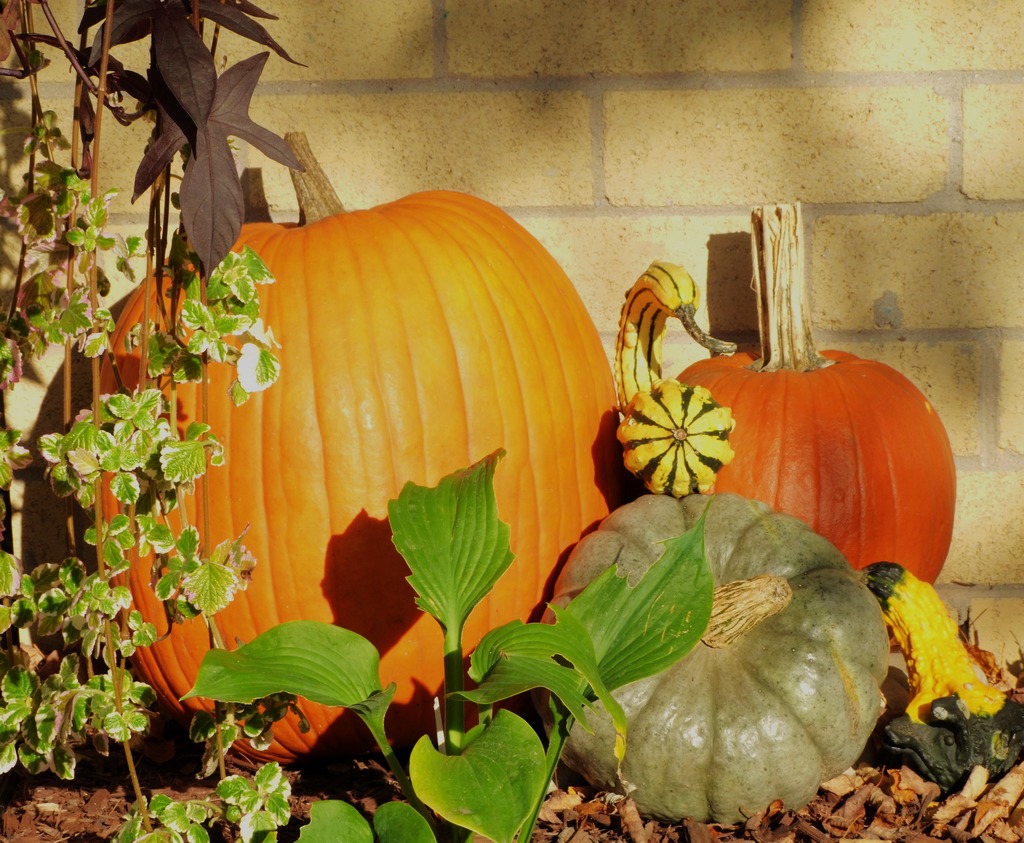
(849,446)
(416,337)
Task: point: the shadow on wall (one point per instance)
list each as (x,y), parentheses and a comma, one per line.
(731,303)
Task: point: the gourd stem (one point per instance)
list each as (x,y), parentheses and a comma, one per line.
(780,284)
(740,606)
(316,196)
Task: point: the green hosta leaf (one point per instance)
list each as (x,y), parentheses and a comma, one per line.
(258,368)
(453,541)
(324,663)
(640,630)
(332,821)
(505,758)
(399,822)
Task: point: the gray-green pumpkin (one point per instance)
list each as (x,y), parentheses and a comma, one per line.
(728,730)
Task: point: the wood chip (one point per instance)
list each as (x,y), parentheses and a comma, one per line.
(632,823)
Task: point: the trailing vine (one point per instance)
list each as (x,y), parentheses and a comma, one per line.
(203,310)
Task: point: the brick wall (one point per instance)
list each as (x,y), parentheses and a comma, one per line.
(620,132)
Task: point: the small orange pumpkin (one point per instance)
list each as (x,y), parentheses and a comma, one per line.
(416,337)
(849,446)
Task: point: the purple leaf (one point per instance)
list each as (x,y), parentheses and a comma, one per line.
(231,110)
(212,203)
(131,22)
(232,17)
(8,23)
(185,63)
(211,193)
(159,153)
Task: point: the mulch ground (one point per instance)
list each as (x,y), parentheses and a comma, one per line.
(867,802)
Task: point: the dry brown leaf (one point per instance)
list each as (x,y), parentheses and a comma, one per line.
(843,784)
(976,783)
(1000,800)
(906,784)
(953,808)
(557,802)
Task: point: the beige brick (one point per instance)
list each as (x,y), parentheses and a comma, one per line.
(508,148)
(354,40)
(38,519)
(998,624)
(122,149)
(988,532)
(993,125)
(914,272)
(949,375)
(1011,396)
(874,35)
(604,255)
(570,38)
(774,145)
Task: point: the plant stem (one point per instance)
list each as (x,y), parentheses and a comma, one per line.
(376,727)
(454,681)
(562,723)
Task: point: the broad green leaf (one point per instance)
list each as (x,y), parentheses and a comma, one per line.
(333,821)
(399,822)
(505,758)
(640,630)
(319,661)
(453,541)
(559,657)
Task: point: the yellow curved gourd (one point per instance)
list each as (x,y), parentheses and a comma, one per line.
(674,436)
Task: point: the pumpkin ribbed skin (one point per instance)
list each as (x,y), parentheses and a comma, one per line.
(853,449)
(726,731)
(416,338)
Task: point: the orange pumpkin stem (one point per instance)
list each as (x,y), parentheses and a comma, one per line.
(317,197)
(783,298)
